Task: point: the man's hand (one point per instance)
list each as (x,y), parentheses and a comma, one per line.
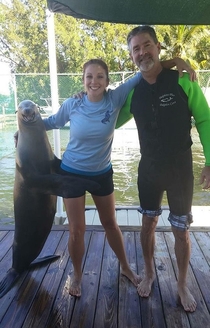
(205,177)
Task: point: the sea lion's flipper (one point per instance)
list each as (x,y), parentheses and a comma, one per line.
(56,164)
(44,260)
(69,185)
(60,185)
(8,282)
(12,275)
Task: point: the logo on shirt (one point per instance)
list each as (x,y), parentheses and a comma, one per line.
(167,99)
(106,118)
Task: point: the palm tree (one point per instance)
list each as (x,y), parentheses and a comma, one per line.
(185,41)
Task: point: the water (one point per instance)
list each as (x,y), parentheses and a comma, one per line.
(125,158)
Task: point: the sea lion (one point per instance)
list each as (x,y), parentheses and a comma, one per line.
(35,189)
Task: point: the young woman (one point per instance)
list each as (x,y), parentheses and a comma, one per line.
(88,155)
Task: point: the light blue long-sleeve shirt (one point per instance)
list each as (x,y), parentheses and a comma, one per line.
(92,127)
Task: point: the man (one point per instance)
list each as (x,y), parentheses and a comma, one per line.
(162,105)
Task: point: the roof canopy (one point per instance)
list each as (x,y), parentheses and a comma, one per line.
(152,12)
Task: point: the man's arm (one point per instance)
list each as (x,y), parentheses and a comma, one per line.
(201,112)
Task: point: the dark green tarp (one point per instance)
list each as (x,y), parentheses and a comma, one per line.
(152,12)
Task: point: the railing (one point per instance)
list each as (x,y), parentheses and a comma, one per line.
(7,119)
(37,88)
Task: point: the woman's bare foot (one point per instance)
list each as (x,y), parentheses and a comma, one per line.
(188,302)
(145,286)
(132,276)
(75,287)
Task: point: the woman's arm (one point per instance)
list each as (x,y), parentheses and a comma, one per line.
(181,66)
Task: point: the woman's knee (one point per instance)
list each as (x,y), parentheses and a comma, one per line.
(76,231)
(110,224)
(76,234)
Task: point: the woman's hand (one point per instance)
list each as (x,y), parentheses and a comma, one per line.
(181,66)
(184,66)
(79,95)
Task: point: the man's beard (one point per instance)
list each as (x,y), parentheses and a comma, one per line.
(146,65)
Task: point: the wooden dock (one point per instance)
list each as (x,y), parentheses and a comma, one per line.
(41,300)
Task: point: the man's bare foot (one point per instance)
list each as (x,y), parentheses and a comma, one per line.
(75,287)
(132,276)
(188,302)
(144,288)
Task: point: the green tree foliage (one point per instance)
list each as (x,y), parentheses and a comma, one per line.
(24,43)
(108,41)
(23,40)
(192,43)
(23,37)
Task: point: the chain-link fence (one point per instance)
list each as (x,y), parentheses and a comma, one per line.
(37,88)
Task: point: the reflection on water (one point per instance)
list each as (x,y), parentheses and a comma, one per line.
(125,158)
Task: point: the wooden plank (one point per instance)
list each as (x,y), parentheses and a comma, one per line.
(175,315)
(129,306)
(161,222)
(96,219)
(6,243)
(164,217)
(140,218)
(83,314)
(203,239)
(151,307)
(122,217)
(64,304)
(130,228)
(41,297)
(200,318)
(200,264)
(107,300)
(26,290)
(133,218)
(89,216)
(40,310)
(3,234)
(7,227)
(6,264)
(6,300)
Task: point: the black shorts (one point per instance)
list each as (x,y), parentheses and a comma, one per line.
(175,176)
(105,185)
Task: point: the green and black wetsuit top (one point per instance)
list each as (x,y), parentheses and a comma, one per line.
(163,111)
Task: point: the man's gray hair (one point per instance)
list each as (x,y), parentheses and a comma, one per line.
(141,29)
